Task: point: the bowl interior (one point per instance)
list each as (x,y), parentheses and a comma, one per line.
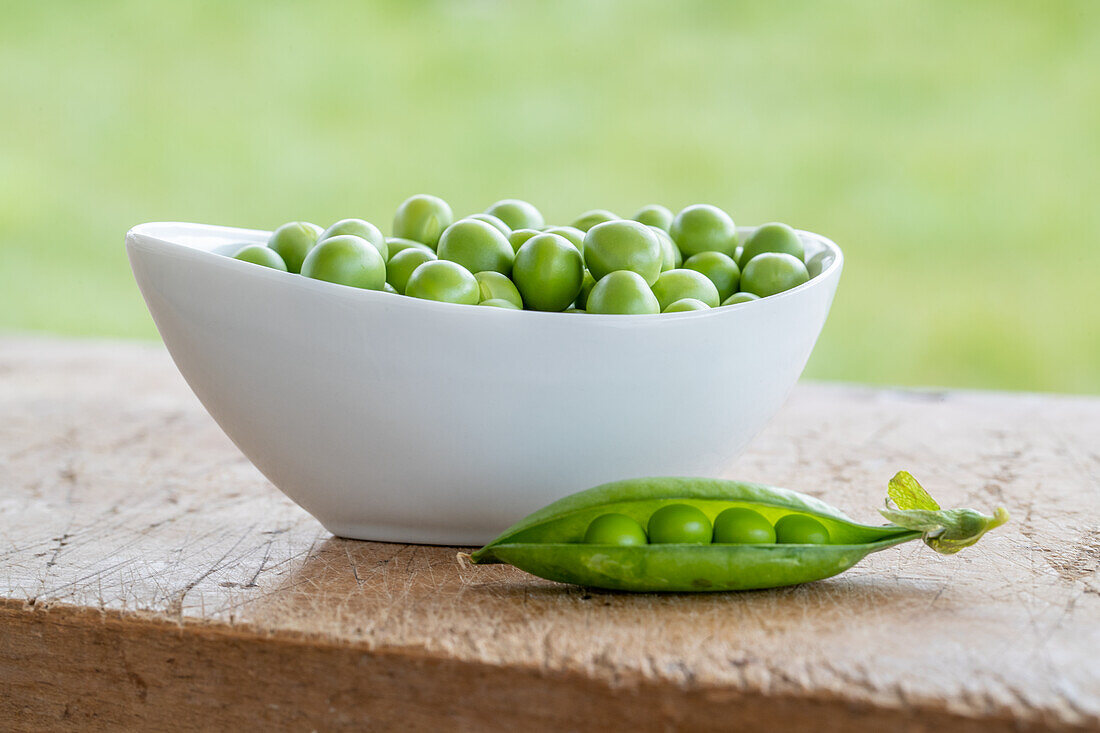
(226,241)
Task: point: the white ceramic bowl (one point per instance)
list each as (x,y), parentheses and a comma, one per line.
(393,418)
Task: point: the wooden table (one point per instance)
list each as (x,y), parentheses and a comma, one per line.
(151,579)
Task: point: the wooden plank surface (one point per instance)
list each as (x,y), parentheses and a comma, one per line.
(150,577)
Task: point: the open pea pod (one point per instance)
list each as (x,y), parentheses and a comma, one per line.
(550,542)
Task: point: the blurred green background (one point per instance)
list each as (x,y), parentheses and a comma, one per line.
(952,149)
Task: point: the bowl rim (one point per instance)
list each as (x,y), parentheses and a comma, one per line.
(151,236)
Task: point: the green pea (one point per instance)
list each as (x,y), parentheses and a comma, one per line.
(444,281)
(422,218)
(680,524)
(396,244)
(654,215)
(773,272)
(614,529)
(347,260)
(740,298)
(574,235)
(740,526)
(678,284)
(519,236)
(670,253)
(772,238)
(703,228)
(589,219)
(719,268)
(404,263)
(293,241)
(798,529)
(684,305)
(624,292)
(477,246)
(517,214)
(548,272)
(258,254)
(493,221)
(574,310)
(495,286)
(500,303)
(359,228)
(623,245)
(586,287)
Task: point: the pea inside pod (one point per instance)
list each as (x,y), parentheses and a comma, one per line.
(551,543)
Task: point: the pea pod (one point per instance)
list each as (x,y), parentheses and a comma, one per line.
(550,542)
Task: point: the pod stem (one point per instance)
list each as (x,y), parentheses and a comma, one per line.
(944,530)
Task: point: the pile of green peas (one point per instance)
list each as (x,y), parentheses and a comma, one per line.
(686,524)
(508,257)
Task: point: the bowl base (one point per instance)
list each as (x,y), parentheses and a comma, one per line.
(413,534)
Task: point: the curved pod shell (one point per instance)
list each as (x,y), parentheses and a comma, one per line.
(689,567)
(549,543)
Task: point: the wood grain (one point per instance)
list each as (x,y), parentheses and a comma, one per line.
(151,578)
